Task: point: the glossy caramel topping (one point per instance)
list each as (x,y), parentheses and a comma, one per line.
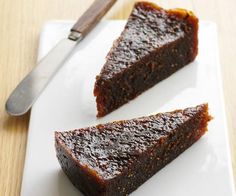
(110,148)
(149,28)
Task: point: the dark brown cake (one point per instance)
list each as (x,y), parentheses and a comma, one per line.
(154,44)
(114,159)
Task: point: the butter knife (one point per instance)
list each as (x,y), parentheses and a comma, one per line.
(30,88)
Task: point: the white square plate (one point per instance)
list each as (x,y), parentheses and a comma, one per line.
(68,103)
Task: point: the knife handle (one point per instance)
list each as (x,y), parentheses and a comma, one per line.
(92,16)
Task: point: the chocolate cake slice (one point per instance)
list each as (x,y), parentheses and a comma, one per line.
(154,44)
(114,159)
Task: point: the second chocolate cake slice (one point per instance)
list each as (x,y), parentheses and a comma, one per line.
(154,44)
(114,159)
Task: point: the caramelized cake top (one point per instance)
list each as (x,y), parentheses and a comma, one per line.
(149,27)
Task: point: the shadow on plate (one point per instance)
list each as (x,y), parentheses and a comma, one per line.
(65,187)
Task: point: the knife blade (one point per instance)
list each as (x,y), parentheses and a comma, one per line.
(29,89)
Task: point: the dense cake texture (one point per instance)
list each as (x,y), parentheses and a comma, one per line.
(154,44)
(114,159)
